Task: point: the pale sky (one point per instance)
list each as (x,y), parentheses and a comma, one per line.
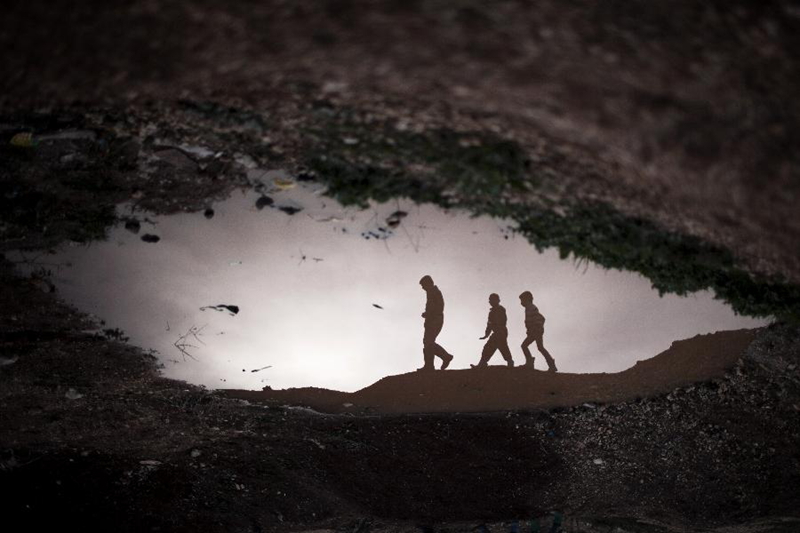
(314,321)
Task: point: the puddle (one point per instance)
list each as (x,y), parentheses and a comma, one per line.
(286,288)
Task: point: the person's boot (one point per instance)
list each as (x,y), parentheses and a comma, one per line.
(426,368)
(529,363)
(510,363)
(552,368)
(446,361)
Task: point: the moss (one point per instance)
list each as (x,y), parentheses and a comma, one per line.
(481,172)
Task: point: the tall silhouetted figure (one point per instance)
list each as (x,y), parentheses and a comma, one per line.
(496,326)
(434,320)
(534,324)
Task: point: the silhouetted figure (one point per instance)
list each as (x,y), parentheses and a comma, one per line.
(534,324)
(496,326)
(434,320)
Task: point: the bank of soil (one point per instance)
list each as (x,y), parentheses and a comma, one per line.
(499,388)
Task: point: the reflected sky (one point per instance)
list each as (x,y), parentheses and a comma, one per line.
(329,297)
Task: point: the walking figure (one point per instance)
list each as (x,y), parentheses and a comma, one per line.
(434,320)
(496,326)
(534,324)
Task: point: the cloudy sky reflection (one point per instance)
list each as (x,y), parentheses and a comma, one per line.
(307,285)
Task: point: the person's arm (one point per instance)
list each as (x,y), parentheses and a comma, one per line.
(488,326)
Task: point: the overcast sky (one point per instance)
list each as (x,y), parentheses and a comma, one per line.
(314,321)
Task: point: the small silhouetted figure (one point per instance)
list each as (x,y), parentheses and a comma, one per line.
(534,324)
(496,326)
(434,320)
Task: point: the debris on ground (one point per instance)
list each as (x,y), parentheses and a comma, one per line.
(232,309)
(72,394)
(264,201)
(133,226)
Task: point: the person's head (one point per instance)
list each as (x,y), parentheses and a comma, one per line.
(494,299)
(426,282)
(526,298)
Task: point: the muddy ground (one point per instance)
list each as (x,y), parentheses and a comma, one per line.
(656,137)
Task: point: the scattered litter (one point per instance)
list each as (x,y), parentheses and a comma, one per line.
(348,405)
(208,213)
(196,453)
(380,234)
(326,219)
(264,201)
(290,209)
(318,443)
(350,141)
(377,306)
(234,263)
(262,368)
(133,226)
(232,309)
(197,151)
(284,184)
(23,140)
(149,237)
(598,461)
(590,405)
(72,394)
(394,219)
(5,361)
(149,462)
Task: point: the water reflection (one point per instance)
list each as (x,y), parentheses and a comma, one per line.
(286,288)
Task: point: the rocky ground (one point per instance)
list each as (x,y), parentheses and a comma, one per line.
(652,137)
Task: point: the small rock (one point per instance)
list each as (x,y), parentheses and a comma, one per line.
(263,202)
(208,213)
(5,361)
(290,209)
(133,226)
(196,453)
(598,461)
(72,394)
(348,404)
(149,237)
(149,462)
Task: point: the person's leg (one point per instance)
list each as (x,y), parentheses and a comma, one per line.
(505,351)
(442,354)
(432,329)
(547,357)
(526,351)
(488,350)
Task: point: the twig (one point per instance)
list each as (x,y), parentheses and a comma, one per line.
(182,343)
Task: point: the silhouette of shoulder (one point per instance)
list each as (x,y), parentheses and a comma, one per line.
(533,318)
(435,303)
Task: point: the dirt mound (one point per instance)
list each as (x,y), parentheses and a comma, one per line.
(495,388)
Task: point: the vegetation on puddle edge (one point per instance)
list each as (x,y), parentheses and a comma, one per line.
(481,173)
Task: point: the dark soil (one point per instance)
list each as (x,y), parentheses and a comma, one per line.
(499,388)
(654,137)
